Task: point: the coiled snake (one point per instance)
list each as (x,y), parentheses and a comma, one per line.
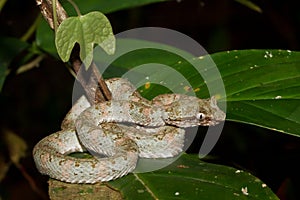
(154,133)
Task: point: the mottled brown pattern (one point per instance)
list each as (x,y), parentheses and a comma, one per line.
(155,133)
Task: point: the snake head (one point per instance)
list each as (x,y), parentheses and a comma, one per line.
(191,111)
(209,113)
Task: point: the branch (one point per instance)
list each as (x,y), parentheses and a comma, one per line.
(30,65)
(47,12)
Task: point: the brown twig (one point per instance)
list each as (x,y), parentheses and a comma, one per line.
(102,85)
(47,12)
(91,80)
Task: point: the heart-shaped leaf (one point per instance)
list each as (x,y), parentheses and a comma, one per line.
(45,36)
(86,30)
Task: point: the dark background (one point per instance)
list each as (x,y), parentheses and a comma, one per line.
(34,103)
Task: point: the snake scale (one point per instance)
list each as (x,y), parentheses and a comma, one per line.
(119,131)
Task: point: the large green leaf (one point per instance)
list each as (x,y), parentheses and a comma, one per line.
(190,178)
(262,86)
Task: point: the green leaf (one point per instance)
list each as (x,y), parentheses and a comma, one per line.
(45,38)
(87,30)
(262,86)
(10,47)
(105,6)
(190,178)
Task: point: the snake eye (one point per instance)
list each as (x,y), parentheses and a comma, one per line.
(200,116)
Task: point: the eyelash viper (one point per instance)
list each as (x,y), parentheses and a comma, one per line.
(155,131)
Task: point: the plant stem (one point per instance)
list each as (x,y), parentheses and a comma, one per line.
(75,7)
(54,15)
(30,65)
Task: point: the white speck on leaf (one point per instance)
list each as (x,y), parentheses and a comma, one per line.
(245,191)
(278,97)
(254,66)
(238,171)
(268,55)
(177,193)
(140,191)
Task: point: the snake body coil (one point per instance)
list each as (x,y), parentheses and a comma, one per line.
(154,133)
